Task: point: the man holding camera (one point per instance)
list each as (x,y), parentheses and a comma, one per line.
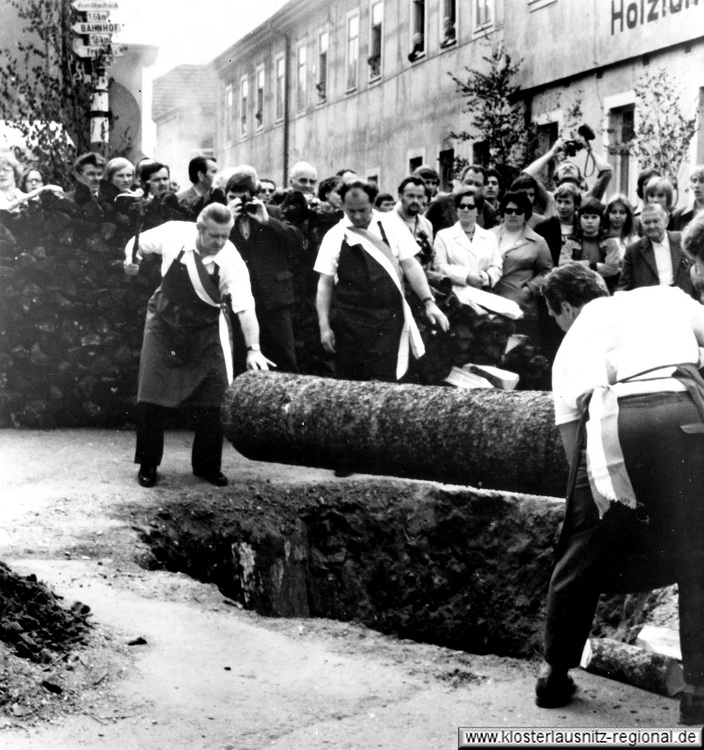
(270,249)
(568,171)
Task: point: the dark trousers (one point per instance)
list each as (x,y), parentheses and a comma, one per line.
(206,455)
(657,544)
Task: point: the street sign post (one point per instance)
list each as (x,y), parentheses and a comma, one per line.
(97,28)
(94,5)
(109,50)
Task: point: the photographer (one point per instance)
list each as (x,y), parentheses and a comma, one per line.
(568,171)
(270,248)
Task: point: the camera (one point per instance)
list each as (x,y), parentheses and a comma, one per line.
(248,207)
(572,146)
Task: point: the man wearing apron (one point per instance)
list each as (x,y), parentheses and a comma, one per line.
(629,404)
(186,352)
(362,264)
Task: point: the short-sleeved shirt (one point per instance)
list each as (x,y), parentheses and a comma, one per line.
(621,336)
(169,239)
(401,244)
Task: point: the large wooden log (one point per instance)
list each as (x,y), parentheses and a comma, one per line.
(635,666)
(483,437)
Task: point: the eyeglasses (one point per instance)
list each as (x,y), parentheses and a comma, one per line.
(514,211)
(466,206)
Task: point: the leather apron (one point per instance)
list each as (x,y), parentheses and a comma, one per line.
(182,356)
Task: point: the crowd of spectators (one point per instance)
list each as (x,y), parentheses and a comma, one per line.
(490,233)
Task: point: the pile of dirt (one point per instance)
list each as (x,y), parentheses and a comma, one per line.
(34,622)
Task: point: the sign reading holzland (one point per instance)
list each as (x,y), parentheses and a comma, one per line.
(626,16)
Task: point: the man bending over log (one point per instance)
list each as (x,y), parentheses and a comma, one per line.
(629,404)
(186,353)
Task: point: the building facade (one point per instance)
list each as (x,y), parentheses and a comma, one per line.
(366,84)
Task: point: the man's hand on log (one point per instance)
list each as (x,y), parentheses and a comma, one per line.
(436,316)
(257,361)
(327,339)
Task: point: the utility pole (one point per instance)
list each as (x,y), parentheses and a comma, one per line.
(93,44)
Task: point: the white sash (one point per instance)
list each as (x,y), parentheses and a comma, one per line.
(410,333)
(606,467)
(189,260)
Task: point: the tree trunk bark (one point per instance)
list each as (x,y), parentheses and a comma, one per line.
(634,666)
(495,439)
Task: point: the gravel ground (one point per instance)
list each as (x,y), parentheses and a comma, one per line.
(171,662)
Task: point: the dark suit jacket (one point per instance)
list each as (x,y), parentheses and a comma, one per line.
(269,252)
(640,269)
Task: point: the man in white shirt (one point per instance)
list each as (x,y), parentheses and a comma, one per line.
(362,263)
(656,259)
(629,404)
(408,214)
(186,356)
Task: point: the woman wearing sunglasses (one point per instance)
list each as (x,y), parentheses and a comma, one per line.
(526,261)
(467,254)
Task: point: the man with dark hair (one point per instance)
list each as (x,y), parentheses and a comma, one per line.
(443,214)
(362,263)
(87,171)
(201,173)
(629,405)
(493,187)
(271,249)
(158,204)
(657,257)
(186,357)
(407,214)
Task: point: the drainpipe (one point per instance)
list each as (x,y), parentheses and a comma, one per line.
(287,97)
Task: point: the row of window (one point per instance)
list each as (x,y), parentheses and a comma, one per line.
(482,20)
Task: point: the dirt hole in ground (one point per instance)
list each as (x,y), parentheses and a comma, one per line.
(456,567)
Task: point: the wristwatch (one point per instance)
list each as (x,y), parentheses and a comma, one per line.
(428,299)
(254,348)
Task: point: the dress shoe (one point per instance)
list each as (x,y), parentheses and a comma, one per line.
(214,477)
(554,689)
(147,475)
(692,709)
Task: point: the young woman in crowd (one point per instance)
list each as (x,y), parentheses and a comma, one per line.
(619,222)
(31,179)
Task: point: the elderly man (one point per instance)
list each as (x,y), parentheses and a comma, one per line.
(201,172)
(629,405)
(657,257)
(362,263)
(304,178)
(186,355)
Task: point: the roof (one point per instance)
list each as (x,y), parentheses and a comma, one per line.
(186,85)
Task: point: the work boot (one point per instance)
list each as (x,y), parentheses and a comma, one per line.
(691,709)
(554,687)
(147,475)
